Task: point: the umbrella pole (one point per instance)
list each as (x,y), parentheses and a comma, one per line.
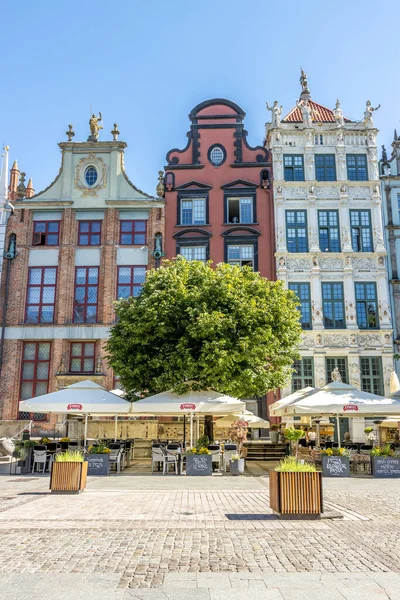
(116,428)
(338,429)
(184,431)
(85,433)
(191,430)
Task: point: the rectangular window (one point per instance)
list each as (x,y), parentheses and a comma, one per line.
(371,375)
(333,305)
(89,233)
(367,306)
(398,204)
(325,168)
(132,233)
(193,252)
(357,167)
(46,233)
(86,293)
(193,211)
(318,140)
(82,357)
(302,291)
(294,167)
(336,363)
(328,224)
(303,375)
(296,231)
(41,295)
(361,231)
(130,281)
(241,256)
(34,369)
(240,210)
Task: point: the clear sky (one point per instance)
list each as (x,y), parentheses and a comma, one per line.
(146,64)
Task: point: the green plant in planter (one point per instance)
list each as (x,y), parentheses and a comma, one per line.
(368,430)
(382,451)
(30,443)
(290,464)
(45,440)
(294,435)
(235,457)
(203,441)
(100,448)
(70,456)
(275,427)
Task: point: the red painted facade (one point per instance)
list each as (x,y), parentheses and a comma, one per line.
(218,196)
(218,192)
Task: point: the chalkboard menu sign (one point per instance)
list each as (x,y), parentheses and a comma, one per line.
(335,466)
(99,464)
(385,467)
(199,464)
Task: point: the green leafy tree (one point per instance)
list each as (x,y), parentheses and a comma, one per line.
(194,327)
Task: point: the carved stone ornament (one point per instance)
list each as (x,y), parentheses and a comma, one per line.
(369,340)
(353,340)
(160,189)
(359,192)
(364,264)
(281,262)
(381,261)
(336,376)
(62,369)
(346,239)
(279,189)
(295,192)
(355,367)
(280,237)
(314,238)
(351,314)
(343,189)
(307,342)
(336,341)
(80,169)
(384,311)
(298,264)
(318,340)
(70,133)
(348,261)
(315,261)
(388,339)
(311,189)
(316,311)
(115,132)
(331,264)
(99,365)
(378,236)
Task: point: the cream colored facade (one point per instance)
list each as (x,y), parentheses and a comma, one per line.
(328,133)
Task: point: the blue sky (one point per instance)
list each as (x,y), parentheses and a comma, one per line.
(145,65)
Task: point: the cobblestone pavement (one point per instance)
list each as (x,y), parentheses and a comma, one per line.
(123,541)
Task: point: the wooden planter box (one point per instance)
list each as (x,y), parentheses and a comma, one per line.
(295,493)
(68,477)
(385,467)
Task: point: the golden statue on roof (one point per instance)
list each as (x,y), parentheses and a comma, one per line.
(95,127)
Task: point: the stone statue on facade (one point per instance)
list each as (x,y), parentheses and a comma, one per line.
(304,83)
(369,109)
(338,114)
(384,154)
(306,112)
(95,127)
(160,189)
(276,112)
(336,376)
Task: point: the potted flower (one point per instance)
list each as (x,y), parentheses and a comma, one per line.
(198,461)
(369,434)
(68,473)
(99,459)
(238,434)
(295,488)
(236,464)
(44,440)
(384,462)
(335,462)
(274,433)
(294,435)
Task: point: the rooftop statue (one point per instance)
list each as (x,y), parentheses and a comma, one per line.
(305,111)
(276,111)
(95,127)
(338,114)
(368,120)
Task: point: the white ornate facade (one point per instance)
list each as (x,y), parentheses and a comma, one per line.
(346,254)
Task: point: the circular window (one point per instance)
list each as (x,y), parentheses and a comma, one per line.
(91,176)
(217,156)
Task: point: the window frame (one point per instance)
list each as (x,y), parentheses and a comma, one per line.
(36,360)
(85,304)
(333,302)
(240,196)
(370,377)
(89,233)
(193,247)
(82,356)
(297,226)
(132,286)
(306,302)
(45,233)
(293,167)
(365,302)
(192,197)
(132,233)
(325,167)
(360,229)
(335,359)
(303,379)
(241,244)
(40,304)
(329,228)
(357,167)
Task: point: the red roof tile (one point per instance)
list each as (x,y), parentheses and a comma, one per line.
(319,113)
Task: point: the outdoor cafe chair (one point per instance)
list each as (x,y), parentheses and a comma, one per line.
(215,452)
(169,458)
(40,457)
(229,451)
(157,457)
(115,459)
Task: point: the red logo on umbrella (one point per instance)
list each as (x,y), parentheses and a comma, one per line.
(188,406)
(74,407)
(350,407)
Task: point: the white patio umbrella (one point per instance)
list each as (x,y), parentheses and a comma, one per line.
(394,385)
(337,398)
(206,402)
(82,398)
(251,419)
